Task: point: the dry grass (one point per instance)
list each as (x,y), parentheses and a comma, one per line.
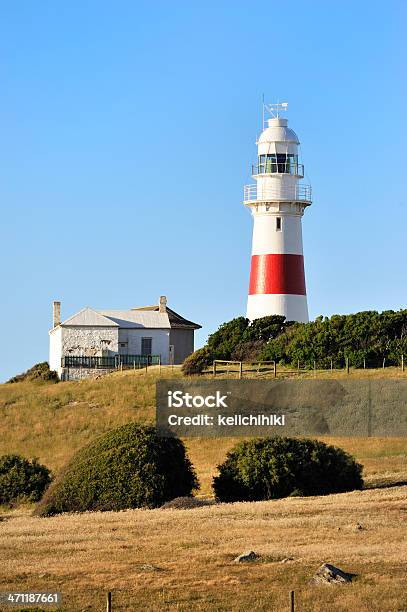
(192,551)
(85,555)
(52,422)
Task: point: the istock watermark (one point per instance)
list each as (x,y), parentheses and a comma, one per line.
(178,399)
(289,407)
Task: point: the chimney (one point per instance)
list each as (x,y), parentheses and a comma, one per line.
(162,307)
(56,313)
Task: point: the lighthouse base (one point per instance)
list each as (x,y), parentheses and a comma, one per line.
(293,307)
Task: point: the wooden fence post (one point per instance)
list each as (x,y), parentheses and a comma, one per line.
(109,602)
(240,369)
(275,369)
(347,365)
(214,369)
(298,365)
(315,368)
(402,363)
(292,601)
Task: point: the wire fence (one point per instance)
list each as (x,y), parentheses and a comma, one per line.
(272,368)
(239,367)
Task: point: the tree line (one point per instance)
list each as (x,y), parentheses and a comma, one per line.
(364,339)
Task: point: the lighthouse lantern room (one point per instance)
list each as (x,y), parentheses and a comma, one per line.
(277,201)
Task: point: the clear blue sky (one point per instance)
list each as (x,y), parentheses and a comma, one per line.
(127,130)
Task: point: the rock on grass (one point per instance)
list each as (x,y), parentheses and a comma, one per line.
(329,574)
(246,556)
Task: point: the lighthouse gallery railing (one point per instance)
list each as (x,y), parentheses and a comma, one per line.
(296,193)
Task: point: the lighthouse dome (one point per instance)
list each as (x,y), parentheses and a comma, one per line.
(277,131)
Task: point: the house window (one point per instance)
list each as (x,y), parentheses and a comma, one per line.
(123,348)
(278,224)
(146,346)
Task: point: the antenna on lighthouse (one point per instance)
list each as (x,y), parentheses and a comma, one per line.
(273,109)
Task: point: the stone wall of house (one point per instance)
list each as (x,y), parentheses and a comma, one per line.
(89,341)
(81,373)
(96,341)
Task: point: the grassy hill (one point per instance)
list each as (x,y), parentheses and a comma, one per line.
(183,559)
(51,421)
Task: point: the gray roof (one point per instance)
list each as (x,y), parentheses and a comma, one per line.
(137,318)
(148,317)
(90,318)
(176,320)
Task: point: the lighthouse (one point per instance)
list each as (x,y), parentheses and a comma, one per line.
(277,202)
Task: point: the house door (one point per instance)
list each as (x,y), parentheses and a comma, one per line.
(171,354)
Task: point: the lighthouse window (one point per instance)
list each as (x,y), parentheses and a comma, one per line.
(278,224)
(271,163)
(292,164)
(267,163)
(281,163)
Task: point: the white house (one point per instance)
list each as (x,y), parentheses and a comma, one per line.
(105,339)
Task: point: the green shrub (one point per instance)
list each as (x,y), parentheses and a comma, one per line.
(230,334)
(270,468)
(224,341)
(266,328)
(237,339)
(247,351)
(39,372)
(362,338)
(21,479)
(197,362)
(129,467)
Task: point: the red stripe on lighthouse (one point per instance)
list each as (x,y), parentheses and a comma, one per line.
(283,274)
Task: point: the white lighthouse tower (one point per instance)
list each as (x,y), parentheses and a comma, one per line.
(277,201)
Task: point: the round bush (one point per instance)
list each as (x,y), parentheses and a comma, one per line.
(129,467)
(197,361)
(40,372)
(21,479)
(270,468)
